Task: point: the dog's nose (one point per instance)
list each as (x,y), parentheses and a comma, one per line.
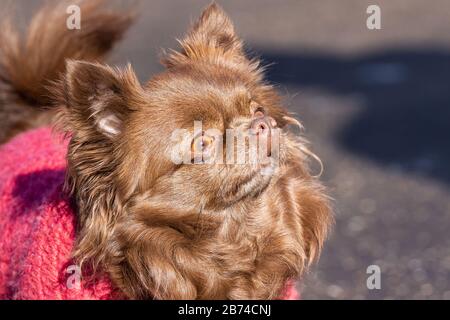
(262,126)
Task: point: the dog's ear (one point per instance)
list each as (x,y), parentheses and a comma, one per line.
(95,103)
(97,98)
(211,38)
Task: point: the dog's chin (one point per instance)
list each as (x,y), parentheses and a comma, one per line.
(255,183)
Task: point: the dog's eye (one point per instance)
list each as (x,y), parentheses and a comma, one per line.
(257,110)
(202,146)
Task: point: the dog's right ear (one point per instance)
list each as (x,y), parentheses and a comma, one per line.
(97,98)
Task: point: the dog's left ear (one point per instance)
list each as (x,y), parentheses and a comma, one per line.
(211,38)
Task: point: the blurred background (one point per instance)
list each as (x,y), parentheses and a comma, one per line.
(376,107)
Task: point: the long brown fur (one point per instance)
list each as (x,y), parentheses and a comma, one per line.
(181,231)
(29,63)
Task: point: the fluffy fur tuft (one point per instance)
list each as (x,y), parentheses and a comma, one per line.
(30,63)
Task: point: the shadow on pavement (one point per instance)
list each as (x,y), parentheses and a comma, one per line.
(406,119)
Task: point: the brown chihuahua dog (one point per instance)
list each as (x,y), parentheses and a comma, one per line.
(160,210)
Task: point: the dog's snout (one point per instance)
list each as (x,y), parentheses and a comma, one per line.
(262,126)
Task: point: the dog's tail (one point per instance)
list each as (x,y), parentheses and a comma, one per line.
(29,63)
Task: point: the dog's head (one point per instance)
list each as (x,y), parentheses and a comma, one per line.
(206,134)
(208,122)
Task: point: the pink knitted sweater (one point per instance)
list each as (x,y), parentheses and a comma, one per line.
(37,224)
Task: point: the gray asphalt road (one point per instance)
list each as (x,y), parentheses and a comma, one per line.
(375,105)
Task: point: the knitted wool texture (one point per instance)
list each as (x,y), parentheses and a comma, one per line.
(38,224)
